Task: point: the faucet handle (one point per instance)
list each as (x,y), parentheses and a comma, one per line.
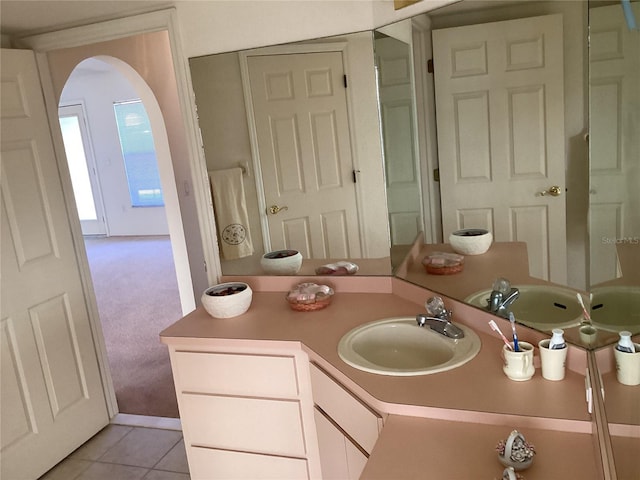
(435,307)
(502,285)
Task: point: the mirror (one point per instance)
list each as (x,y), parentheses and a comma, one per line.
(611,240)
(227,137)
(309,146)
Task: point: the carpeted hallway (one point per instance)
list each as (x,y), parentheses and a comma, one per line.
(137,295)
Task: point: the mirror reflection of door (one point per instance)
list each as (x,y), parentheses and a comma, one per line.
(614,76)
(302,129)
(500,121)
(82,168)
(397,118)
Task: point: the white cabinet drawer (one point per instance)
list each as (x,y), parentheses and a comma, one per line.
(247,424)
(236,374)
(354,417)
(208,464)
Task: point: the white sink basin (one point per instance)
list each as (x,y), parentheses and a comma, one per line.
(543,307)
(398,346)
(616,308)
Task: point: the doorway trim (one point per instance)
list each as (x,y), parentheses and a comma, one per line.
(160,20)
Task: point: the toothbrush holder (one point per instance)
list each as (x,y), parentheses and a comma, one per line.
(518,366)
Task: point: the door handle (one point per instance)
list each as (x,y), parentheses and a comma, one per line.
(275,209)
(554,191)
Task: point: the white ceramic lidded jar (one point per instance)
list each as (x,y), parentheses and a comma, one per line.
(471,241)
(227,300)
(281,262)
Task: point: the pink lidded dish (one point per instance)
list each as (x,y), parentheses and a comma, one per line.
(442,263)
(307,297)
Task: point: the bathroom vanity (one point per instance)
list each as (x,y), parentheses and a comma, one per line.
(266,395)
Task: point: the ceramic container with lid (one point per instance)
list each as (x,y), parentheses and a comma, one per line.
(227,300)
(471,241)
(281,262)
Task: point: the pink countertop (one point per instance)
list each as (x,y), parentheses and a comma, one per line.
(444,425)
(477,391)
(411,448)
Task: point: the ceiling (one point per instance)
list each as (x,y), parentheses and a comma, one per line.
(26,17)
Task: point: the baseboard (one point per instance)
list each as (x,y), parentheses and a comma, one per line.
(164,423)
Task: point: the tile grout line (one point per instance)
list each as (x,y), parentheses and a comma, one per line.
(168,451)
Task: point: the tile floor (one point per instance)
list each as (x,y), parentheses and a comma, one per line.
(126,453)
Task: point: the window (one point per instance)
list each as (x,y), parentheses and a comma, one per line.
(136,141)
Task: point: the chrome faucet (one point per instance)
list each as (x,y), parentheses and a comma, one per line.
(501,298)
(438,319)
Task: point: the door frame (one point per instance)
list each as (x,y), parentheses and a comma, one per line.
(160,20)
(339,46)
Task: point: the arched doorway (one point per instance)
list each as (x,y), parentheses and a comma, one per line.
(132,260)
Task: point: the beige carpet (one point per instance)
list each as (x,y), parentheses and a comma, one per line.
(137,296)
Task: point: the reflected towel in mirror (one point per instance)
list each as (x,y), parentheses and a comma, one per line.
(231,213)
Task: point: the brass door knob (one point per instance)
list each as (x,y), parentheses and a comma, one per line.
(275,209)
(554,191)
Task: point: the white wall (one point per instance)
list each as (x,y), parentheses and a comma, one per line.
(98,91)
(223,26)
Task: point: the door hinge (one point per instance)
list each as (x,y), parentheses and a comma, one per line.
(354,174)
(430,65)
(344,80)
(436,174)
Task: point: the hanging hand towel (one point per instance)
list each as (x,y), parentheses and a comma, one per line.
(231,213)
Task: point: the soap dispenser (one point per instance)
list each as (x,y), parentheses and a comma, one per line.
(557,339)
(625,344)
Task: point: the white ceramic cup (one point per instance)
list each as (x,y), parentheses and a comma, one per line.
(518,366)
(588,334)
(628,366)
(552,361)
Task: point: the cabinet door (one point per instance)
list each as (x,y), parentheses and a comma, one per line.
(340,458)
(354,417)
(333,452)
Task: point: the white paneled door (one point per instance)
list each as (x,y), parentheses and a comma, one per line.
(397,115)
(302,130)
(500,119)
(614,140)
(52,398)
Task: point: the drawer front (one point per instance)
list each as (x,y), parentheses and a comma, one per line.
(247,424)
(236,374)
(210,464)
(354,417)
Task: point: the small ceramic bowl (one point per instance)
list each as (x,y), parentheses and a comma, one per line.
(471,241)
(281,262)
(227,300)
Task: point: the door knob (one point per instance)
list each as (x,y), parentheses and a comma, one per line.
(275,209)
(554,191)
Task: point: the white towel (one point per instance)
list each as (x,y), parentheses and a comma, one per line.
(231,213)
